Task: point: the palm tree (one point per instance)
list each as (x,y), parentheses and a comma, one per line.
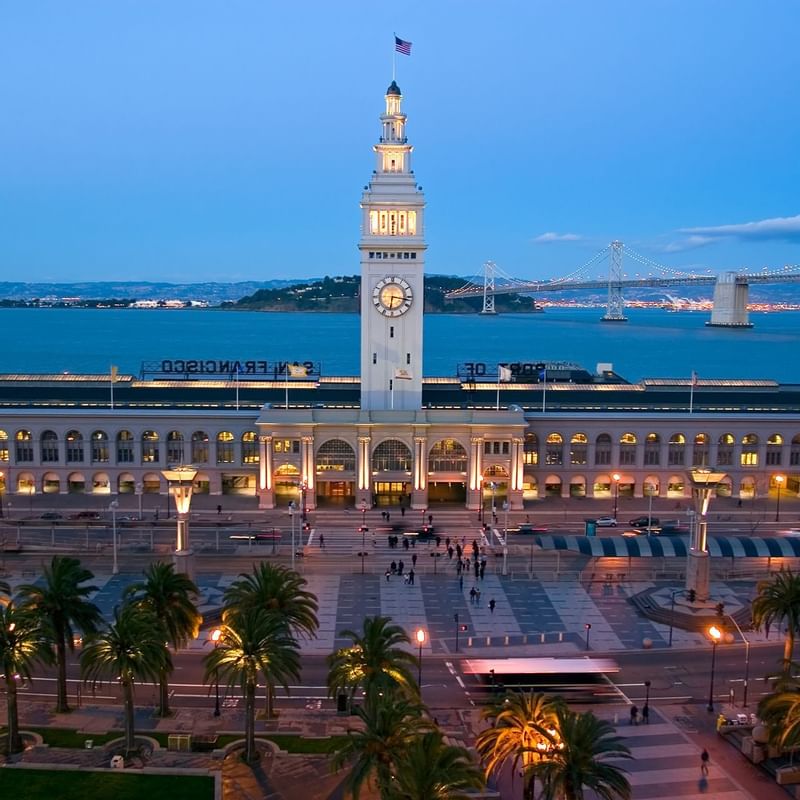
(780,710)
(777,601)
(131,649)
(279,589)
(428,768)
(520,722)
(23,642)
(376,661)
(251,641)
(62,603)
(389,727)
(577,760)
(170,596)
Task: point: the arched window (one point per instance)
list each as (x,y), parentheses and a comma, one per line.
(602,449)
(125,447)
(749,456)
(199,447)
(150,447)
(100,447)
(49,446)
(175,447)
(774,448)
(74,447)
(700,450)
(578,446)
(725,447)
(652,449)
(554,449)
(23,441)
(447,455)
(627,448)
(225,447)
(336,455)
(3,445)
(676,455)
(530,449)
(391,456)
(250,448)
(287,470)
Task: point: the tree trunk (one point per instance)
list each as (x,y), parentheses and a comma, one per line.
(250,722)
(14,739)
(788,650)
(269,696)
(163,693)
(130,738)
(62,701)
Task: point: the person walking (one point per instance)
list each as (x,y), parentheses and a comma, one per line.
(219,509)
(411,576)
(477,597)
(402,511)
(400,567)
(646,714)
(414,560)
(461,581)
(430,519)
(477,568)
(321,542)
(393,567)
(704,759)
(472,593)
(634,715)
(450,552)
(492,605)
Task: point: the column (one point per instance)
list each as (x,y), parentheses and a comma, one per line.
(308,471)
(364,480)
(419,494)
(266,490)
(475,473)
(516,468)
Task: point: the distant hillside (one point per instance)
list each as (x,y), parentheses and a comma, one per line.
(341,294)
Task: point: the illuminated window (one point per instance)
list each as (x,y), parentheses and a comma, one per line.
(676,455)
(749,459)
(652,449)
(286,446)
(125,447)
(749,455)
(225,453)
(100,447)
(447,455)
(725,450)
(554,449)
(627,448)
(250,453)
(174,447)
(74,447)
(3,446)
(700,454)
(579,444)
(150,453)
(336,455)
(391,456)
(530,450)
(774,446)
(24,446)
(49,445)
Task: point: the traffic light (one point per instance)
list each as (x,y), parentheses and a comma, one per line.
(692,595)
(720,610)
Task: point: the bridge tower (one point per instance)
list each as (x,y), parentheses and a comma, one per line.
(730,302)
(489,272)
(615,303)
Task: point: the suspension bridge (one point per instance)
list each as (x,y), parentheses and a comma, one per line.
(731,289)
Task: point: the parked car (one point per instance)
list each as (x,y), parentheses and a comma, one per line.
(606,522)
(643,522)
(85,515)
(51,515)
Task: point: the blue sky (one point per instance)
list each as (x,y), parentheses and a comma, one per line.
(198,140)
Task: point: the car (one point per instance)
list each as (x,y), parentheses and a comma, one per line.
(791,532)
(529,527)
(606,522)
(85,515)
(51,515)
(643,522)
(634,532)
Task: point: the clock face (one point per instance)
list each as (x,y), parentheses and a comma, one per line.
(392,296)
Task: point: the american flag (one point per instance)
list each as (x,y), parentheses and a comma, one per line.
(402,46)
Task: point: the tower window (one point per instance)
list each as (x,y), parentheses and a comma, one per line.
(413,255)
(391,331)
(408,358)
(374,358)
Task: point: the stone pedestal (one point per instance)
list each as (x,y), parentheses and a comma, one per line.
(184,562)
(697,573)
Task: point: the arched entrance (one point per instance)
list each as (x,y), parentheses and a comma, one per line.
(447,472)
(76,483)
(552,486)
(287,484)
(577,486)
(51,483)
(336,473)
(747,488)
(101,483)
(391,472)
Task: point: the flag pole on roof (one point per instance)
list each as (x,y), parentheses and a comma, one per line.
(400,46)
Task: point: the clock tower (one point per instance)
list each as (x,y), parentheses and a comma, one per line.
(392,249)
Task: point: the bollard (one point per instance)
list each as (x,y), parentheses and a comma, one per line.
(541,636)
(561,636)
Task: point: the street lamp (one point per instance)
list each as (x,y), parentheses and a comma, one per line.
(672,613)
(716,634)
(303,490)
(113,509)
(505,539)
(420,641)
(291,517)
(616,478)
(215,636)
(2,490)
(779,479)
(746,658)
(493,487)
(647,693)
(588,626)
(650,488)
(704,483)
(140,493)
(181,483)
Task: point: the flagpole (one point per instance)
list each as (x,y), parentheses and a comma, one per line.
(394,56)
(544,391)
(287,384)
(691,393)
(391,393)
(237,389)
(112,387)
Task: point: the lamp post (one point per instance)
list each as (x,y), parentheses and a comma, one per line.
(672,613)
(779,479)
(140,492)
(746,658)
(493,487)
(716,634)
(303,490)
(704,483)
(647,693)
(181,483)
(588,627)
(420,642)
(505,538)
(455,617)
(291,517)
(2,490)
(215,635)
(616,478)
(650,488)
(113,509)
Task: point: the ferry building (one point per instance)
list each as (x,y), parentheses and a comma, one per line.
(281,432)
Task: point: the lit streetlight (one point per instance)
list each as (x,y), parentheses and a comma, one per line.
(588,627)
(215,636)
(2,491)
(779,479)
(181,483)
(616,477)
(420,642)
(113,509)
(291,517)
(715,634)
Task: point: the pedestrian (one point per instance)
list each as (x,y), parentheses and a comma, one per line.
(393,567)
(388,573)
(402,511)
(478,596)
(482,569)
(388,516)
(219,509)
(459,551)
(492,604)
(459,567)
(646,714)
(414,560)
(400,567)
(450,552)
(430,519)
(634,715)
(405,544)
(461,581)
(472,593)
(411,576)
(321,542)
(438,541)
(477,568)
(447,542)
(704,759)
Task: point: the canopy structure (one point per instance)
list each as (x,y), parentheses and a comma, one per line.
(673,546)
